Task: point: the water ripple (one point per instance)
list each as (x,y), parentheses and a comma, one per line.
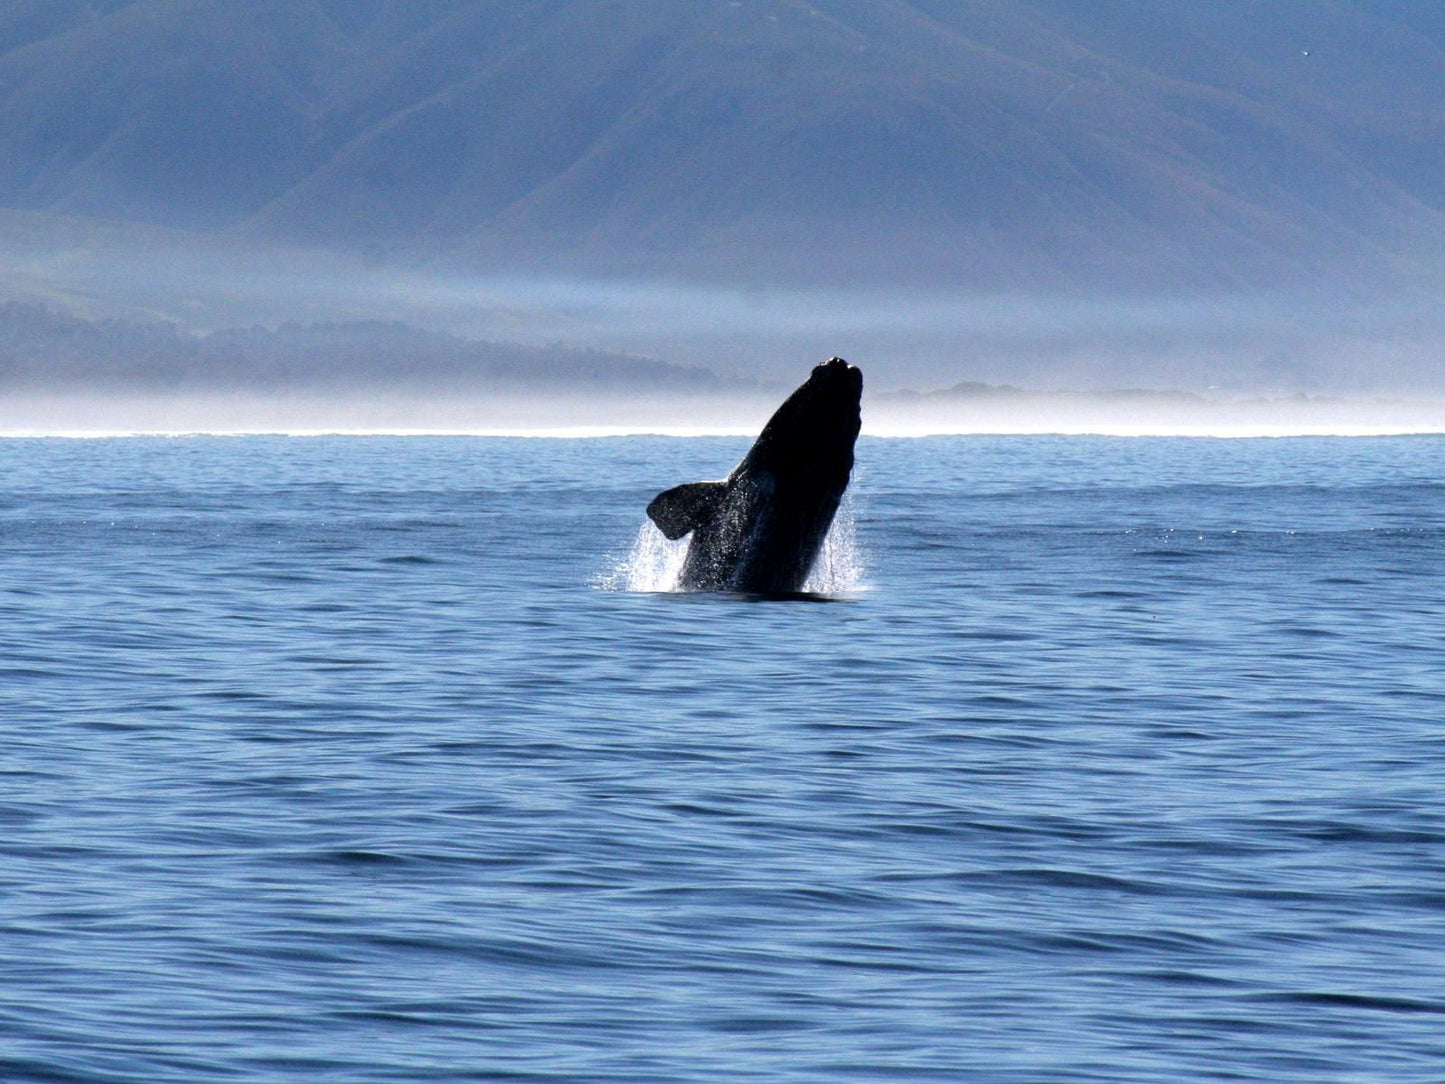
(327,759)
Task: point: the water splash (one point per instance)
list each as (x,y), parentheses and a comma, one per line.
(839,567)
(654,563)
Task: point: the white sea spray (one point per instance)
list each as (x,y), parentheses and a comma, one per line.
(654,563)
(839,567)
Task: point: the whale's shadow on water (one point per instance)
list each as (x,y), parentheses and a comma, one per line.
(757,596)
(786,596)
(758,533)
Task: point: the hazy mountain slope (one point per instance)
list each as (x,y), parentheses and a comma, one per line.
(183,113)
(1004,143)
(42,349)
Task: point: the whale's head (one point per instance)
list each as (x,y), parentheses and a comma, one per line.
(813,432)
(836,377)
(828,404)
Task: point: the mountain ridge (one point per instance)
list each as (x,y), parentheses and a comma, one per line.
(1030,143)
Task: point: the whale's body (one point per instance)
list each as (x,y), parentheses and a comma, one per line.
(759,530)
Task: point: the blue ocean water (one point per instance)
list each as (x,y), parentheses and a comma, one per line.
(347,759)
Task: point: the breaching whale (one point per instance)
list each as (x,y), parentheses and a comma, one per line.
(759,530)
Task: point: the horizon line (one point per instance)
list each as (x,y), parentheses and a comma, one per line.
(585,432)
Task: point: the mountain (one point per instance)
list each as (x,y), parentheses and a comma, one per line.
(1006,144)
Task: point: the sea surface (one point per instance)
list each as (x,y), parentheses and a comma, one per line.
(391,759)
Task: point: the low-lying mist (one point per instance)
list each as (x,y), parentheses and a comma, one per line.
(996,410)
(423,348)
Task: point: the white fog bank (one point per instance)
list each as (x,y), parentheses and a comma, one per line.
(994,411)
(1329,341)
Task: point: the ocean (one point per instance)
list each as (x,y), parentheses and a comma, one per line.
(391,759)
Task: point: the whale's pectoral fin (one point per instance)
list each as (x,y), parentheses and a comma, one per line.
(681,508)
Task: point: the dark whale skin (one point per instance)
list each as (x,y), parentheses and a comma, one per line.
(760,530)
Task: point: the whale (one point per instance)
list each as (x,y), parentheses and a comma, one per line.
(759,530)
